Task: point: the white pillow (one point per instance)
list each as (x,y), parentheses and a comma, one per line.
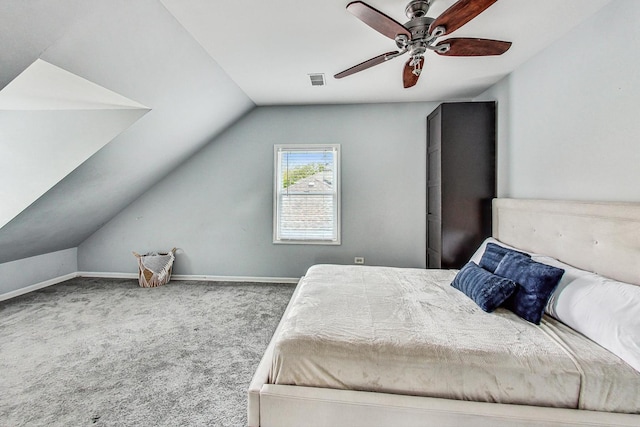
(570,275)
(604,310)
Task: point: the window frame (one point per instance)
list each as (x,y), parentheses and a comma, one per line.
(279,148)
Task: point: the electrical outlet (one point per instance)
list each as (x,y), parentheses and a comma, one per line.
(358,260)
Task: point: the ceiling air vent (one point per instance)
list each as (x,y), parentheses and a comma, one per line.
(317,79)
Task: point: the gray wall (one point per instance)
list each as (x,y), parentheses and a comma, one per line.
(25,272)
(217,207)
(568,118)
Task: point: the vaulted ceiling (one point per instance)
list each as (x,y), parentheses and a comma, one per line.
(136,50)
(181,73)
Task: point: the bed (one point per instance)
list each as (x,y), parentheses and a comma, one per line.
(328,380)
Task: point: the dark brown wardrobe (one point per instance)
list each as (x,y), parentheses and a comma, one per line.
(460,181)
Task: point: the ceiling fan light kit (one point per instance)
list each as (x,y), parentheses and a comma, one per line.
(419,35)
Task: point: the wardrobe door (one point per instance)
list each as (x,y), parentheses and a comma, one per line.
(434,189)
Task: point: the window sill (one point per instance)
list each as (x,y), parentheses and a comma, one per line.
(307,242)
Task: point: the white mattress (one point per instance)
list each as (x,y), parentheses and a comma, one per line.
(407,331)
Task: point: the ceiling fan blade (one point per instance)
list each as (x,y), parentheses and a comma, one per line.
(472,47)
(377,20)
(459,14)
(410,79)
(367,64)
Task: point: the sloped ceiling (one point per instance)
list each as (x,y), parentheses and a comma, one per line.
(139,51)
(50,122)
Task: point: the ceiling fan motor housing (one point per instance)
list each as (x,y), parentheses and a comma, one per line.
(417,8)
(419,27)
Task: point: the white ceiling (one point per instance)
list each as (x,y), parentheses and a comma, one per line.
(269,47)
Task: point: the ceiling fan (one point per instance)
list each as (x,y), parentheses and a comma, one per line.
(419,34)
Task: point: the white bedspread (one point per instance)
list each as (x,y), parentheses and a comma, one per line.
(408,331)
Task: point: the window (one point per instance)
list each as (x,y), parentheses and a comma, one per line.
(307,194)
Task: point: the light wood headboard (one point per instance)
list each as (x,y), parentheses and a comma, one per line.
(600,237)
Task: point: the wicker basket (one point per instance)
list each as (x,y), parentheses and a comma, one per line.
(155,268)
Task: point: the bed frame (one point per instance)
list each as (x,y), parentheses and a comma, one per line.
(599,237)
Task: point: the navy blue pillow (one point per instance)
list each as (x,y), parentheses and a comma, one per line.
(493,254)
(535,281)
(486,289)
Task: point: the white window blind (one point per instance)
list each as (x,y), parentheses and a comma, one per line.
(306,194)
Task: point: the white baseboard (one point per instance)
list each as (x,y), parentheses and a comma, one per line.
(200,277)
(37,286)
(235,278)
(105,275)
